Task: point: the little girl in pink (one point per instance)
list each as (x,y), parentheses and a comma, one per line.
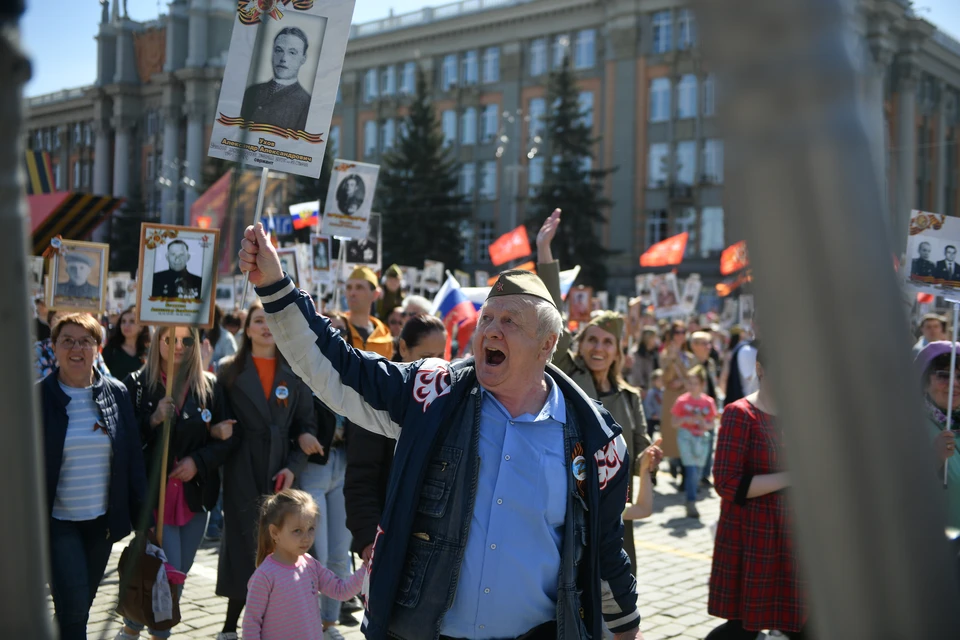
(282,598)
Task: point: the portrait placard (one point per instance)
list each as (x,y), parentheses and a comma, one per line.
(621,305)
(35,266)
(581,303)
(601,301)
(290,264)
(177,278)
(366,251)
(691,293)
(410,278)
(666,297)
(226,295)
(728,317)
(280,84)
(746,311)
(932,243)
(349,199)
(432,276)
(480,278)
(118,291)
(78,277)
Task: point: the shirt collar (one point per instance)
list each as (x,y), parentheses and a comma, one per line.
(553,409)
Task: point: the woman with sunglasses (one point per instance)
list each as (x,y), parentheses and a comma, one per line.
(933,364)
(199,443)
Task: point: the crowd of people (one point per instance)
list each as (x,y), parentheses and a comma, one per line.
(484,497)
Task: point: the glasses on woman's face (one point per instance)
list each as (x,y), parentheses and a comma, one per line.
(186,342)
(944,375)
(85,344)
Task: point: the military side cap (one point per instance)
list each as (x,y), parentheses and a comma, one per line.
(393,271)
(517,282)
(609,321)
(74,256)
(364,273)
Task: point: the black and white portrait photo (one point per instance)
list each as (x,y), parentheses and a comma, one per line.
(288,260)
(665,296)
(746,310)
(933,252)
(922,265)
(366,250)
(78,273)
(320,253)
(350,194)
(947,269)
(349,199)
(176,279)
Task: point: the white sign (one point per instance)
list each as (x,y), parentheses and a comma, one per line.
(746,311)
(932,246)
(432,276)
(691,293)
(621,305)
(366,250)
(118,292)
(226,295)
(666,298)
(349,199)
(280,84)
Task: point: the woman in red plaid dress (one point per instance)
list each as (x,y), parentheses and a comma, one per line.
(754,582)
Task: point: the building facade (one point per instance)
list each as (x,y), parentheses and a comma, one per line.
(142,130)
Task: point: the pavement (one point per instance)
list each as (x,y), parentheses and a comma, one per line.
(673,556)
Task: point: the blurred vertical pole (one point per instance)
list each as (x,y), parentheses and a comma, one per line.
(803,189)
(23,529)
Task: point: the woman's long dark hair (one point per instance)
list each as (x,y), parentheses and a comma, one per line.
(115,340)
(419,327)
(233,368)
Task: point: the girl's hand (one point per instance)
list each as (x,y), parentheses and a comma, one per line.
(945,445)
(165,410)
(650,457)
(223,430)
(309,444)
(185,470)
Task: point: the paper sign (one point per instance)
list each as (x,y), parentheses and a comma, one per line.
(581,303)
(432,276)
(932,246)
(666,298)
(349,199)
(366,250)
(691,293)
(746,311)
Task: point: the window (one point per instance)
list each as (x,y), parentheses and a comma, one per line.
(333,140)
(370,138)
(403,128)
(57,132)
(471,69)
(538,57)
(536,111)
(687,97)
(448,123)
(660,100)
(466,234)
(709,97)
(152,123)
(468,126)
(585,54)
(85,175)
(686,30)
(77,134)
(535,176)
(561,46)
(656,227)
(468,180)
(57,175)
(88,134)
(662,32)
(488,180)
(491,65)
(370,85)
(76,173)
(490,123)
(711,231)
(46,142)
(484,239)
(585,102)
(685,163)
(658,164)
(713,161)
(408,83)
(448,72)
(388,134)
(388,81)
(686,222)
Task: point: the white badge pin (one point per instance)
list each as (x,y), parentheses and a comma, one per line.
(282,392)
(579,468)
(206,415)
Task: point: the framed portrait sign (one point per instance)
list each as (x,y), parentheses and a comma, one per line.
(581,303)
(35,265)
(280,83)
(290,264)
(226,294)
(349,199)
(747,310)
(666,296)
(691,293)
(432,276)
(78,276)
(177,278)
(320,253)
(933,241)
(118,291)
(366,251)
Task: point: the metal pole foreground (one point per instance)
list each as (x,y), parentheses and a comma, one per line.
(953,378)
(256,218)
(23,527)
(802,188)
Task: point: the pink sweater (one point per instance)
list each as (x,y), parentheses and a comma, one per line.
(282,599)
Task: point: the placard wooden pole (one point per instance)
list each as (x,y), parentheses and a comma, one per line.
(256,218)
(167,423)
(341,267)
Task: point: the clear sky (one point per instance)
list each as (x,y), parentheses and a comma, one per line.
(59,34)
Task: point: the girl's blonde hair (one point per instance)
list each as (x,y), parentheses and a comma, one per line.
(275,510)
(190,372)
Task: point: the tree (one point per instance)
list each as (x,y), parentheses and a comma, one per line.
(572,184)
(417,194)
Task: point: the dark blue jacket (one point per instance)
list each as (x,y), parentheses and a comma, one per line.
(128,481)
(431,407)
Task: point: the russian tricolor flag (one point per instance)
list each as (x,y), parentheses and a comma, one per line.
(306,214)
(457,312)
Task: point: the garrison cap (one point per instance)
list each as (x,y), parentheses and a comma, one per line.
(609,321)
(393,271)
(74,256)
(515,282)
(365,273)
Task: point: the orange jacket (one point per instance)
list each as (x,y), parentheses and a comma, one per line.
(379,342)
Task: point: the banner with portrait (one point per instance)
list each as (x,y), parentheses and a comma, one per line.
(77,279)
(119,295)
(280,84)
(366,251)
(932,262)
(177,278)
(349,199)
(665,296)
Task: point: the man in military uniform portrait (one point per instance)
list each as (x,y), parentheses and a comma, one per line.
(922,265)
(176,281)
(79,266)
(282,101)
(350,194)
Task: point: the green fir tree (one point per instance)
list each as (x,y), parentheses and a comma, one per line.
(417,192)
(571,183)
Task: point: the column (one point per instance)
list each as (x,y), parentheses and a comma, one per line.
(195,152)
(171,149)
(939,198)
(121,157)
(875,82)
(66,169)
(907,143)
(102,158)
(197,51)
(619,136)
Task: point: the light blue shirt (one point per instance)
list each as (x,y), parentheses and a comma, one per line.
(84,484)
(511,564)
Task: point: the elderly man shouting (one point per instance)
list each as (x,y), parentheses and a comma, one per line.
(503,509)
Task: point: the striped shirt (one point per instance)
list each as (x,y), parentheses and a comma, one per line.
(84,483)
(282,599)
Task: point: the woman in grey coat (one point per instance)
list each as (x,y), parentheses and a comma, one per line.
(273,408)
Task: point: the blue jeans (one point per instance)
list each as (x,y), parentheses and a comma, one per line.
(180,545)
(708,466)
(79,552)
(215,523)
(332,545)
(691,480)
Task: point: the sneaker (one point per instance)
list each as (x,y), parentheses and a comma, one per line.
(332,633)
(121,635)
(692,510)
(228,635)
(352,605)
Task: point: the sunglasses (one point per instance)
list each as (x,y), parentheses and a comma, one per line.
(186,342)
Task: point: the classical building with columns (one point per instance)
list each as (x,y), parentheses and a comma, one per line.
(141,131)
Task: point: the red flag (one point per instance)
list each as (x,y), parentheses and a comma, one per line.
(925,298)
(665,253)
(510,246)
(734,258)
(526,266)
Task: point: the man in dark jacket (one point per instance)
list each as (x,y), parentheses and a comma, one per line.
(503,510)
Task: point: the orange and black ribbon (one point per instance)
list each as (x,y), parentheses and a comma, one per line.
(250,15)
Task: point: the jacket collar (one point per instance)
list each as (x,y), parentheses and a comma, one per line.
(52,383)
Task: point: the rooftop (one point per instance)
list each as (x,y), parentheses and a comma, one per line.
(428,15)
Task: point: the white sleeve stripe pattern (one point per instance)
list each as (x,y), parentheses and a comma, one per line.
(625,620)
